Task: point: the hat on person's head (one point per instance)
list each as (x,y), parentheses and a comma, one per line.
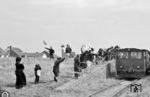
(58,58)
(18,59)
(77,54)
(68,45)
(36,64)
(62,46)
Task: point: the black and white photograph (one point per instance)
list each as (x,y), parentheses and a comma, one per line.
(74,48)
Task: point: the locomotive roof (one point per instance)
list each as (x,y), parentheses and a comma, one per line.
(132,49)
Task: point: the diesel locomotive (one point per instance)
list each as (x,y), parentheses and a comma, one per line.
(132,63)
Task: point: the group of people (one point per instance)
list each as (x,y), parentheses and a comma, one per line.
(81,62)
(84,60)
(108,53)
(87,57)
(20,75)
(68,51)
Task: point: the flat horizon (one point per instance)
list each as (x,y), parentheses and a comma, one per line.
(101,23)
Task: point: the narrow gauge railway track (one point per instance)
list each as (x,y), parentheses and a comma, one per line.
(120,92)
(104,89)
(124,89)
(115,90)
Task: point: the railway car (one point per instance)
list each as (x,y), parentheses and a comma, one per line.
(132,63)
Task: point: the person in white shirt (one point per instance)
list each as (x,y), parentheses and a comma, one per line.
(37,70)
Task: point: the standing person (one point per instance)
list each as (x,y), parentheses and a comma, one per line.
(84,48)
(83,61)
(56,67)
(37,70)
(77,66)
(63,51)
(51,52)
(20,76)
(68,51)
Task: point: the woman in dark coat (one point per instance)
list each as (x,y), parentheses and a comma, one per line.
(77,67)
(83,59)
(20,76)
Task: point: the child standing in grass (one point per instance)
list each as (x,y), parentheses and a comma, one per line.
(37,70)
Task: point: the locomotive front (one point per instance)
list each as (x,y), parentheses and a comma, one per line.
(131,63)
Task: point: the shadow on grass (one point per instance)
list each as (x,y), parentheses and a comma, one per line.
(42,82)
(11,85)
(66,76)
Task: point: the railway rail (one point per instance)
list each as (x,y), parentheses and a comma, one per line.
(116,90)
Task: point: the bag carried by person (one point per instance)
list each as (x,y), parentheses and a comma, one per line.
(39,72)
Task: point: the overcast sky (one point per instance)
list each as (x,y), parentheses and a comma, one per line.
(101,23)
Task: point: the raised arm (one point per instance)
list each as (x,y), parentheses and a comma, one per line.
(61,60)
(47,48)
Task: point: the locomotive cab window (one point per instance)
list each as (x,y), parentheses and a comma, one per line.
(136,55)
(123,55)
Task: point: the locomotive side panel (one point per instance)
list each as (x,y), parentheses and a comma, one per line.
(148,63)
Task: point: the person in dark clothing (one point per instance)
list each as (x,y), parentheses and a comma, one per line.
(68,51)
(56,67)
(77,66)
(100,52)
(20,76)
(37,70)
(83,59)
(51,52)
(90,55)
